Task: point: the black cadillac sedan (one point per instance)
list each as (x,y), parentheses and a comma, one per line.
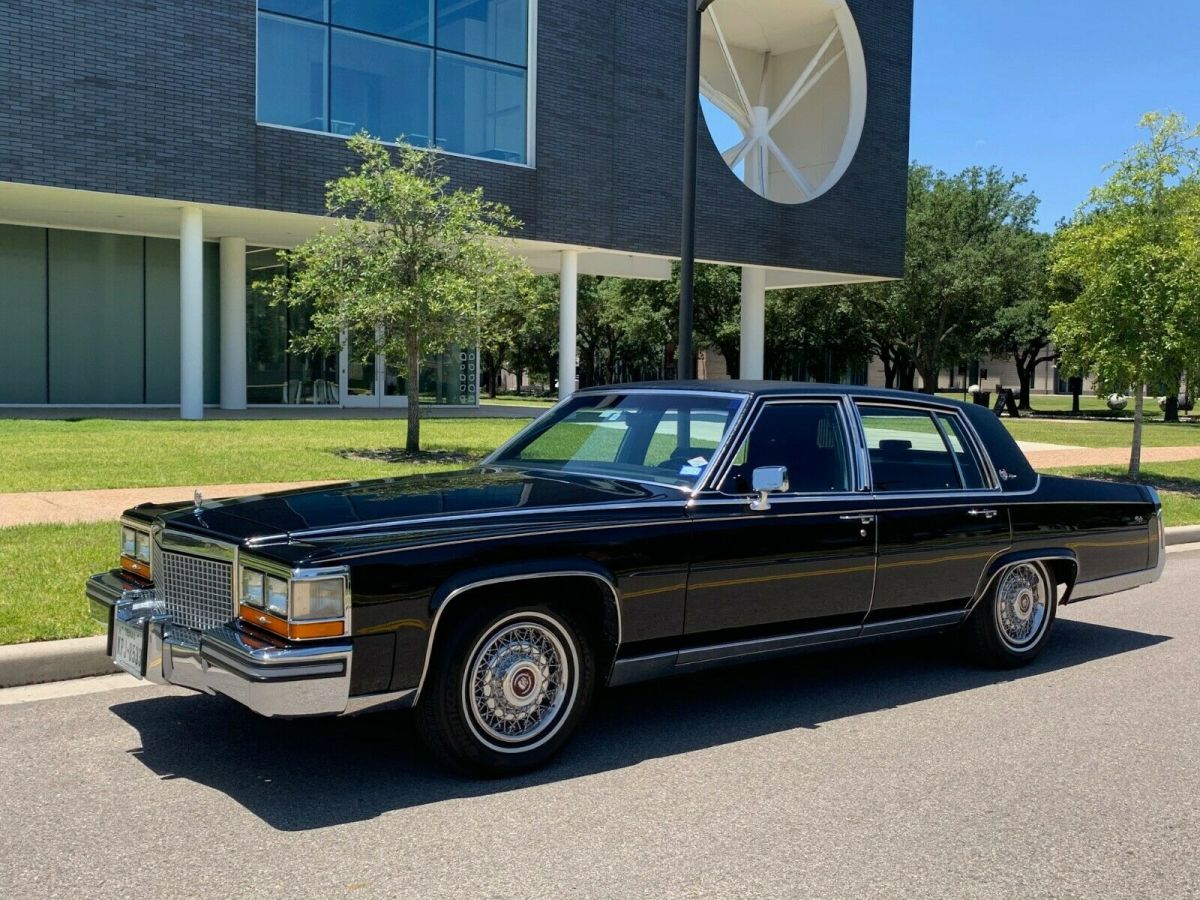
(629,533)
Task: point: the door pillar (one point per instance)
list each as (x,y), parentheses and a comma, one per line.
(191,313)
(754,302)
(233,323)
(568,288)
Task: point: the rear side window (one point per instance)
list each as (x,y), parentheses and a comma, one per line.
(907,450)
(968,465)
(805,438)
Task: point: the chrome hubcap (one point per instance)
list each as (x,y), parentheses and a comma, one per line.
(517,682)
(1022,606)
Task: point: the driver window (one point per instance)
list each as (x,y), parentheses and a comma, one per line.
(806,438)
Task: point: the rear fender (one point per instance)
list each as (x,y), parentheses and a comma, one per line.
(1062,562)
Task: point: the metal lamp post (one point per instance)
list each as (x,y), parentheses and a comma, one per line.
(687,252)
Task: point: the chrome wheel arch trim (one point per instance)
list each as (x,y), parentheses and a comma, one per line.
(1041,558)
(606,580)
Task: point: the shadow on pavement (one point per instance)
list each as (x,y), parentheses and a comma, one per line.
(297,775)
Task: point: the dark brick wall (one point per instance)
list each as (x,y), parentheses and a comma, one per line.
(156,98)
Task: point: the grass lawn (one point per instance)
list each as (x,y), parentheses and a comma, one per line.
(45,568)
(511,400)
(1059,403)
(1100,433)
(42,455)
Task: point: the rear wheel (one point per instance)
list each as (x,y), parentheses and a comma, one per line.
(507,690)
(1010,625)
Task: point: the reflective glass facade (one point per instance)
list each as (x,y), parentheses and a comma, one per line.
(446,73)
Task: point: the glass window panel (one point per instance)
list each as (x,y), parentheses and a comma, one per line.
(805,438)
(409,20)
(266,333)
(664,439)
(494,29)
(291,73)
(907,451)
(967,463)
(305,9)
(381,86)
(480,109)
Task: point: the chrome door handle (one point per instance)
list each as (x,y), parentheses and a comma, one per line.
(986,513)
(861,519)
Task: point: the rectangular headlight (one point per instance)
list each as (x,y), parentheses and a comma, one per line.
(252,588)
(128,542)
(277,596)
(321,598)
(141,546)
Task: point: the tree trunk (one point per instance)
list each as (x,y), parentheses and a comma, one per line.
(929,379)
(1171,408)
(412,389)
(519,375)
(1024,377)
(889,372)
(1135,451)
(908,376)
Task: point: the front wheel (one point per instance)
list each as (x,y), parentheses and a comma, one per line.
(507,690)
(1010,625)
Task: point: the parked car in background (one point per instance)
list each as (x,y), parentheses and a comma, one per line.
(629,533)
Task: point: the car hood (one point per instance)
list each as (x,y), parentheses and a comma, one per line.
(392,504)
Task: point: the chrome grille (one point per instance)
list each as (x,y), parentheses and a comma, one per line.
(198,592)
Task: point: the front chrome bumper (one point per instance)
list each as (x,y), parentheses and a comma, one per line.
(271,677)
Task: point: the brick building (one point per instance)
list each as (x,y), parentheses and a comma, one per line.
(154,156)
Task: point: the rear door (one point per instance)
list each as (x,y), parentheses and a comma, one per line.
(805,564)
(941,516)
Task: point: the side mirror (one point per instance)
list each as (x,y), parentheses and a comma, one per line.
(767,480)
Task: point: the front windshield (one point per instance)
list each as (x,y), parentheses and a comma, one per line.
(667,438)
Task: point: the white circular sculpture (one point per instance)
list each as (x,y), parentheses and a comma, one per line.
(791,76)
(1117,402)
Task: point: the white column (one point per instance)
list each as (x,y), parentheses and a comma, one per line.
(233,323)
(191,313)
(568,284)
(754,302)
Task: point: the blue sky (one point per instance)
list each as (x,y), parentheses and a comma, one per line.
(1049,89)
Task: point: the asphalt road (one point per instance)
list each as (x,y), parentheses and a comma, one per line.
(889,771)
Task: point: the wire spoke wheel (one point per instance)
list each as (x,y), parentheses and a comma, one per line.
(1022,606)
(518,683)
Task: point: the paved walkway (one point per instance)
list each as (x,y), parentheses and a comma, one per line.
(1104,456)
(66,507)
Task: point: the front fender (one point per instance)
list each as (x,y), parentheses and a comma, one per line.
(520,570)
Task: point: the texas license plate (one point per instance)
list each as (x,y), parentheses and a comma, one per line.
(129,646)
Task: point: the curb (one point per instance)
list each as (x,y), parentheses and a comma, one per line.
(42,661)
(1183,534)
(36,663)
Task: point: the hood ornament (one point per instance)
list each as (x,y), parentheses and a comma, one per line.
(197,500)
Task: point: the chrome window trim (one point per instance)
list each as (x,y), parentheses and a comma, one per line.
(782,400)
(566,573)
(932,410)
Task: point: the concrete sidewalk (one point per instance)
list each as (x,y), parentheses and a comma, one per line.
(1062,457)
(70,507)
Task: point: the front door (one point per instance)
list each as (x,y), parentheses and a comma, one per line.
(807,564)
(369,380)
(940,520)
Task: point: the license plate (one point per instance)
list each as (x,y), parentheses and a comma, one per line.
(129,647)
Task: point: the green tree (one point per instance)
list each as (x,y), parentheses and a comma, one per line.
(1022,326)
(1133,247)
(407,267)
(814,334)
(517,320)
(965,234)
